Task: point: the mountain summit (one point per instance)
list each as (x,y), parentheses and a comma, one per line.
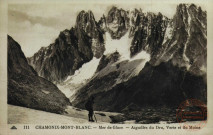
(185,43)
(70,50)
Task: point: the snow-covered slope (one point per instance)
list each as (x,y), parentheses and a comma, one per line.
(20,115)
(121,45)
(126,67)
(79,79)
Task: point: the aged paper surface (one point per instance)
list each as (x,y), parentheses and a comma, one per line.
(146,65)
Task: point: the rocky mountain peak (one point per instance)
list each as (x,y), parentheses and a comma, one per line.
(85,22)
(117,21)
(71,49)
(162,38)
(186,43)
(177,66)
(147,31)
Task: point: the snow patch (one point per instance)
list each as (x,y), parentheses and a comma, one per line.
(130,122)
(168,33)
(85,72)
(74,82)
(66,90)
(203,68)
(186,59)
(142,55)
(122,46)
(46,92)
(126,69)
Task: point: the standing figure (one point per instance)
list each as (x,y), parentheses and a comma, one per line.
(89,107)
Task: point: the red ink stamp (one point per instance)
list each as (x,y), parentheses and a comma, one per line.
(192,114)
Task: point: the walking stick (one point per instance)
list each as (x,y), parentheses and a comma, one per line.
(95,117)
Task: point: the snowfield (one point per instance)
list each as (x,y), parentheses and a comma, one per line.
(84,73)
(121,45)
(22,115)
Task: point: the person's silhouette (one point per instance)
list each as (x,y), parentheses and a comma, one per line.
(89,107)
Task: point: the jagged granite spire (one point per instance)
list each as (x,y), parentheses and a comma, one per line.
(70,50)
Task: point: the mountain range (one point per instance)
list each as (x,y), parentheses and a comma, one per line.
(174,72)
(133,58)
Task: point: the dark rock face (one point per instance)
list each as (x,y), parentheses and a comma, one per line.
(182,38)
(117,22)
(186,45)
(105,60)
(147,29)
(148,32)
(70,50)
(59,59)
(88,29)
(154,86)
(109,74)
(26,88)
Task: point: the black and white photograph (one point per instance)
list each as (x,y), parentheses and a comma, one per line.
(107,63)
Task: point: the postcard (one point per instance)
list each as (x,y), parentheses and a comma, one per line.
(106,67)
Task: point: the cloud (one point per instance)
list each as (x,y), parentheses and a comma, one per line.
(19,17)
(32,32)
(32,37)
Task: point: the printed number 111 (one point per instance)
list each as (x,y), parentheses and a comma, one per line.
(26,127)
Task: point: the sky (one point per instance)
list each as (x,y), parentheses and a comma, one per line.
(38,25)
